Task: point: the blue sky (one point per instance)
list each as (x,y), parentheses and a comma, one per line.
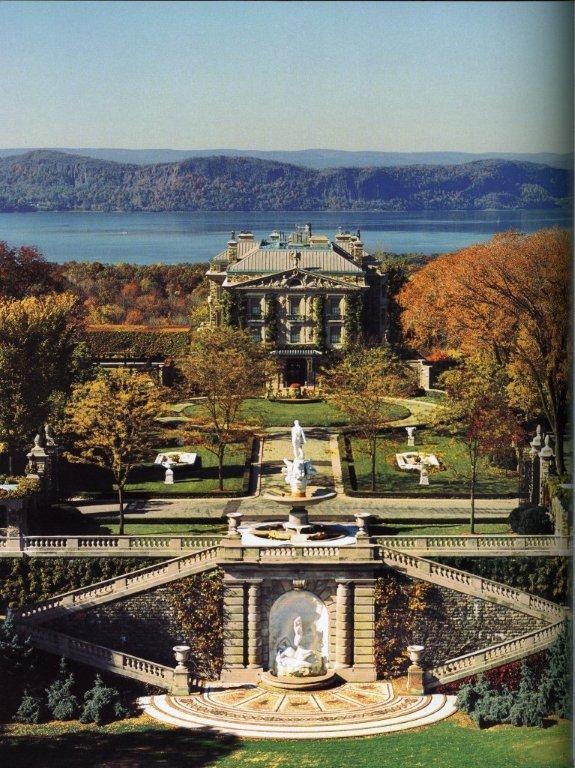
(399,76)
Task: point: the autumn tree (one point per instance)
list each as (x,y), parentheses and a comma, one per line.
(509,296)
(25,272)
(38,336)
(476,413)
(361,385)
(112,421)
(226,367)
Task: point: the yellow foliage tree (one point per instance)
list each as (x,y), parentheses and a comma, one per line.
(38,335)
(360,387)
(113,423)
(509,296)
(226,367)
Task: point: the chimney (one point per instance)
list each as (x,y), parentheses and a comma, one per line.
(232,249)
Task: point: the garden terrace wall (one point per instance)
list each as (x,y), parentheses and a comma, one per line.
(138,342)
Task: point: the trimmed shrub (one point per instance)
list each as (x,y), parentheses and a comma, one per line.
(529,521)
(102,704)
(125,342)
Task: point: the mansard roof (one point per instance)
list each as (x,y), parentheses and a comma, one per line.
(298,279)
(273,260)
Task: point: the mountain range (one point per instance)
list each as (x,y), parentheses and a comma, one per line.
(50,180)
(310,158)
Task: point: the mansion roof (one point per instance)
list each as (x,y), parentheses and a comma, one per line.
(265,260)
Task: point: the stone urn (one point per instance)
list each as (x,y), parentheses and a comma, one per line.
(361,519)
(182,654)
(234,519)
(415,652)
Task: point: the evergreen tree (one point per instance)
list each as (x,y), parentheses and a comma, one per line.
(16,664)
(31,709)
(528,704)
(556,690)
(102,704)
(62,704)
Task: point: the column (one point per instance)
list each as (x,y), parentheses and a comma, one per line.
(254,624)
(234,624)
(343,629)
(364,630)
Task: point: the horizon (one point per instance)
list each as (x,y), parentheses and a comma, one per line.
(478,77)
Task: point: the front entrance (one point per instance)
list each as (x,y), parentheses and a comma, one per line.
(295,371)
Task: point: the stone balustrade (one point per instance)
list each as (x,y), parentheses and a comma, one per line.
(150,546)
(470,584)
(119,586)
(103,658)
(486,545)
(493,656)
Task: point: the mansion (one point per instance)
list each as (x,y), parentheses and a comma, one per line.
(303,294)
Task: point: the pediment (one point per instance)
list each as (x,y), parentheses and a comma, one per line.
(296,279)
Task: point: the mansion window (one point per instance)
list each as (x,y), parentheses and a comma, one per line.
(334,334)
(256,333)
(294,307)
(254,308)
(334,307)
(295,334)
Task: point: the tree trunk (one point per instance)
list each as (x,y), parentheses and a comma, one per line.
(472,492)
(221,451)
(559,429)
(373,453)
(10,463)
(121,504)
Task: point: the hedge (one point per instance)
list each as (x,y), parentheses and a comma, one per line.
(138,342)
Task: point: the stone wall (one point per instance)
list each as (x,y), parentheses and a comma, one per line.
(143,625)
(455,624)
(452,624)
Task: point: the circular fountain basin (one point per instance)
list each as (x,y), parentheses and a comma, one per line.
(315,495)
(295,683)
(332,534)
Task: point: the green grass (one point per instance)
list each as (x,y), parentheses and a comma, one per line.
(70,521)
(90,480)
(268,413)
(450,481)
(392,529)
(141,742)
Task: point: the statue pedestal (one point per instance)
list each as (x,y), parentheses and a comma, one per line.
(298,516)
(415,686)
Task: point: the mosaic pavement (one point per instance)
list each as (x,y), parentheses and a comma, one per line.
(352,709)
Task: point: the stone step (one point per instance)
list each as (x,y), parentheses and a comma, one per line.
(182,713)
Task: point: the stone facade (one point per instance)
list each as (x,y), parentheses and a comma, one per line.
(454,624)
(301,293)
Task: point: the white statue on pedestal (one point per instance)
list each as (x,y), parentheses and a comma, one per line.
(410,435)
(299,653)
(298,473)
(297,440)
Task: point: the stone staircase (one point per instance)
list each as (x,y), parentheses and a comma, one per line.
(470,584)
(494,656)
(31,619)
(117,587)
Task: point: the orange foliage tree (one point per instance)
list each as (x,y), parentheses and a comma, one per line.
(509,296)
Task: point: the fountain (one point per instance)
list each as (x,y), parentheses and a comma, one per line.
(298,473)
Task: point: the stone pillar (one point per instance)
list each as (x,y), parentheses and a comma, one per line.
(343,625)
(254,625)
(364,630)
(545,456)
(234,656)
(180,681)
(415,675)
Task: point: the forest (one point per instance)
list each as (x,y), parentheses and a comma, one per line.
(57,181)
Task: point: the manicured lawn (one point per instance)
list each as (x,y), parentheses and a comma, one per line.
(91,481)
(449,481)
(142,742)
(392,529)
(67,520)
(268,413)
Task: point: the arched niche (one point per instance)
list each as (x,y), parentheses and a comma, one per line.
(298,634)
